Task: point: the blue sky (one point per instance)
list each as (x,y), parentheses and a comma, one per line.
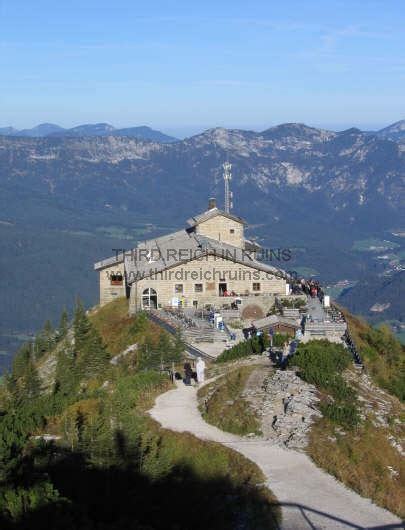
(185,66)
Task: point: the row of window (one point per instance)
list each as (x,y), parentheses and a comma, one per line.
(198,287)
(117,279)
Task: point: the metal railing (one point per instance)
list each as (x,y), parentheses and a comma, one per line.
(351,346)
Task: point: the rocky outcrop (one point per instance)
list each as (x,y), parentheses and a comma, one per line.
(286,406)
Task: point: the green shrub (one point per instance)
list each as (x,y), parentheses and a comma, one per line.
(279,339)
(321,363)
(344,414)
(384,357)
(252,346)
(293,304)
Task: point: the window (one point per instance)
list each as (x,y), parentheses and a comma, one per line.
(178,288)
(149,298)
(195,303)
(223,291)
(256,286)
(232,230)
(198,287)
(116,278)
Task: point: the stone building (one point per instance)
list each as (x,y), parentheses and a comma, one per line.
(209,263)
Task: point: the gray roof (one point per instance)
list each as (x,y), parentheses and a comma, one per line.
(272,320)
(156,255)
(118,258)
(252,245)
(213,212)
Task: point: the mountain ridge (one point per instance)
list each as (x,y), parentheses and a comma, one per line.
(50,130)
(394,131)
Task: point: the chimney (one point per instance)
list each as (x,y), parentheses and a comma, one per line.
(212,203)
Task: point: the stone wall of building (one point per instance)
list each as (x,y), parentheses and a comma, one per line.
(200,281)
(109,292)
(223,229)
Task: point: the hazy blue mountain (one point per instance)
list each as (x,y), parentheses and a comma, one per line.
(296,131)
(90,129)
(394,132)
(145,133)
(105,129)
(41,130)
(8,131)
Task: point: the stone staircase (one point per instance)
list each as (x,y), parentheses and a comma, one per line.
(194,325)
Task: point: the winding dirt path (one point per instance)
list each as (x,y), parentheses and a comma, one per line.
(310,498)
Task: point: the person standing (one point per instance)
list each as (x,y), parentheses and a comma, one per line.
(188,373)
(200,368)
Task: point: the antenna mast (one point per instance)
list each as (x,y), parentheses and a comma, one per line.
(227,178)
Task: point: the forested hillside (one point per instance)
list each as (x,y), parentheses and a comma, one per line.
(77,450)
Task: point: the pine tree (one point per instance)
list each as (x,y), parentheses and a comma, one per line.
(63,324)
(81,325)
(149,355)
(21,359)
(92,357)
(66,375)
(32,382)
(47,337)
(40,346)
(165,347)
(179,345)
(48,330)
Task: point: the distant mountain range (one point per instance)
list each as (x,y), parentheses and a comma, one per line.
(67,201)
(394,132)
(354,177)
(97,129)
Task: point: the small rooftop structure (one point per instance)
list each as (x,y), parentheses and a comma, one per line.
(211,213)
(279,324)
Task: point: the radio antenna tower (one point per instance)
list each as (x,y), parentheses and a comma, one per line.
(227,178)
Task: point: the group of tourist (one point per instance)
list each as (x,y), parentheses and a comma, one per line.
(196,374)
(310,287)
(250,333)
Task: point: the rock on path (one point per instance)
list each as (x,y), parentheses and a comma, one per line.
(309,497)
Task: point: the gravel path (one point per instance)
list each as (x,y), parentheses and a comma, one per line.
(310,498)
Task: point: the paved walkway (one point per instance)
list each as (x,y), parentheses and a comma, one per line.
(310,498)
(315,309)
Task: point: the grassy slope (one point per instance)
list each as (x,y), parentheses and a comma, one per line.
(382,353)
(223,405)
(118,330)
(118,442)
(360,459)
